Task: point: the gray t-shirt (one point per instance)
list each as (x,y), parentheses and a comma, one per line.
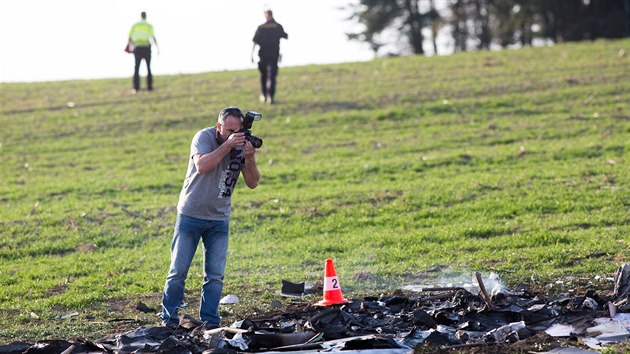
(208,196)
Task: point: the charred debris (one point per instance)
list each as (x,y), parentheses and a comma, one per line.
(446,317)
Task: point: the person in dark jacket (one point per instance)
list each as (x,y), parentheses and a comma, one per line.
(267,37)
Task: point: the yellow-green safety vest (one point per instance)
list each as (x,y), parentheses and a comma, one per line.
(141,34)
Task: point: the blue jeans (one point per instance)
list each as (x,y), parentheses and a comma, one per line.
(214,235)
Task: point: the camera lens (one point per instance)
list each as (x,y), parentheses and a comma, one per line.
(256,141)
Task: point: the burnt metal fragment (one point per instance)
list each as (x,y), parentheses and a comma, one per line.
(141,306)
(622,282)
(421,317)
(292,289)
(486,298)
(15,348)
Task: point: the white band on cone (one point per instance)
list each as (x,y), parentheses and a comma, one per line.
(331,283)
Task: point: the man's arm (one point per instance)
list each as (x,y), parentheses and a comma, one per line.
(250,172)
(208,162)
(256,41)
(155,43)
(253,48)
(130,41)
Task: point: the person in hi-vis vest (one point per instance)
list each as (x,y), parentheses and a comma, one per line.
(141,37)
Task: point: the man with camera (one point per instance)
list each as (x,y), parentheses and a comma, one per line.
(218,155)
(267,37)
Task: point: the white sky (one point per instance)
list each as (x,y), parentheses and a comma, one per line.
(44,40)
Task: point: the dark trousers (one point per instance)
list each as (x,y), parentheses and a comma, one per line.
(268,70)
(142,53)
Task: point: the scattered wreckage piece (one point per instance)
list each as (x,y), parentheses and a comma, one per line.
(621,290)
(622,281)
(486,298)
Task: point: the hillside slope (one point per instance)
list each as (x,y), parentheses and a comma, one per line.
(404,170)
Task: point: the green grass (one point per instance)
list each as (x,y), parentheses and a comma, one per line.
(514,162)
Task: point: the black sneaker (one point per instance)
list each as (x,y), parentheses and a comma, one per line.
(209,326)
(171,324)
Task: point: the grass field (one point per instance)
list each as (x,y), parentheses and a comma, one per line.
(514,162)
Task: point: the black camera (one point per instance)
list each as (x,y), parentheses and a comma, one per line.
(248,120)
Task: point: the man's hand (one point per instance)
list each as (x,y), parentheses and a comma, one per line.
(250,171)
(235,140)
(250,150)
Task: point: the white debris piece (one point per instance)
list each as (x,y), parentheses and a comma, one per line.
(238,342)
(65,317)
(229,299)
(560,330)
(607,330)
(501,334)
(623,318)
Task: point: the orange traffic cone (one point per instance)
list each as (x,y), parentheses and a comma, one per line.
(332,289)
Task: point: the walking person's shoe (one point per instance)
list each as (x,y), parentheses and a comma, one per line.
(261,98)
(269,99)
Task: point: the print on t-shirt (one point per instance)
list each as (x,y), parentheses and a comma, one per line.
(229,177)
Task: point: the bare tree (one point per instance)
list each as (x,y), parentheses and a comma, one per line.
(403,16)
(480,24)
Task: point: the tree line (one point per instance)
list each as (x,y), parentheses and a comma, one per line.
(483,24)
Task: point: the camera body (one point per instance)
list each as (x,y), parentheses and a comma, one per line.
(248,120)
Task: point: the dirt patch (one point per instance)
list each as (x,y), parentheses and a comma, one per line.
(57,289)
(128,307)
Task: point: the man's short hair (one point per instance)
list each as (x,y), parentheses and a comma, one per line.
(229,111)
(143,15)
